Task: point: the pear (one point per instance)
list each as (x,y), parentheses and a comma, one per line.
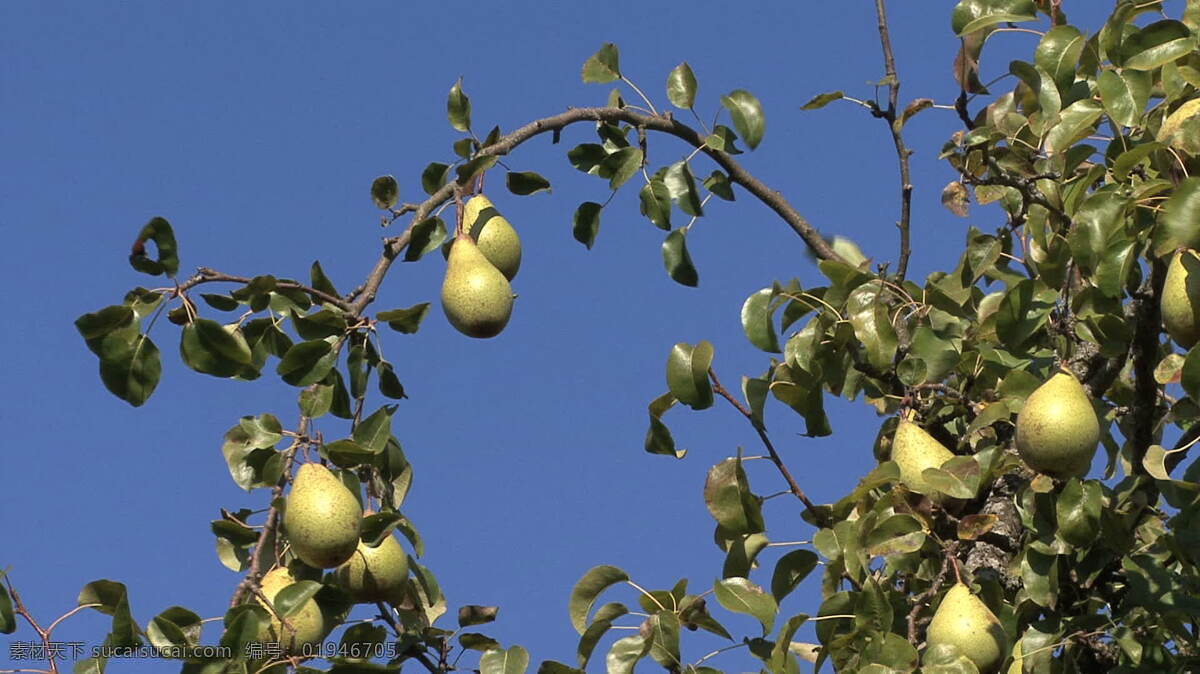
(322,518)
(964,621)
(307,623)
(496,238)
(373,574)
(914,450)
(1181,299)
(476,297)
(1057,430)
(1017,666)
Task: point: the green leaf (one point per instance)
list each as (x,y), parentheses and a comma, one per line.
(458,108)
(112,599)
(682,186)
(476,615)
(374,431)
(584,594)
(790,570)
(1039,572)
(108,320)
(869,315)
(320,281)
(1040,82)
(747,114)
(1157,44)
(389,383)
(8,620)
(729,500)
(1177,226)
(620,166)
(722,139)
(681,86)
(515,660)
(758,320)
(1078,509)
(427,236)
(406,321)
(592,635)
(898,534)
(687,374)
(1078,121)
(1124,95)
(658,437)
(718,183)
(385,192)
(603,66)
(972,15)
(587,157)
(319,324)
(742,551)
(822,100)
(742,596)
(468,170)
(526,182)
(1023,311)
(130,368)
(159,231)
(677,260)
(586,223)
(664,639)
(434,177)
(625,653)
(552,667)
(1058,54)
(655,201)
(307,362)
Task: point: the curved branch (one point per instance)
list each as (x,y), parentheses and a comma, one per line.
(902,151)
(365,294)
(207,275)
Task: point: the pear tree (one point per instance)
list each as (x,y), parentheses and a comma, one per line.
(985,539)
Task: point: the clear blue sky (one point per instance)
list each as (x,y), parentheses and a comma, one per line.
(256,128)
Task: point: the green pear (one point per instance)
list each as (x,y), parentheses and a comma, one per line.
(374,573)
(964,621)
(914,450)
(496,238)
(1057,430)
(322,518)
(476,297)
(1181,299)
(1017,667)
(307,623)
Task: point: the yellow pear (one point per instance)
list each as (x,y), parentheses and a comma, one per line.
(914,450)
(322,518)
(373,574)
(1057,430)
(1017,666)
(496,238)
(476,297)
(964,621)
(1181,299)
(308,625)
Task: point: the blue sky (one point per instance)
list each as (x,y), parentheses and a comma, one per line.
(256,128)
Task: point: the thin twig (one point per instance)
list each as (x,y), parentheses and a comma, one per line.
(43,634)
(902,151)
(918,602)
(207,275)
(793,486)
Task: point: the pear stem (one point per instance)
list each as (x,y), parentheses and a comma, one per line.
(954,565)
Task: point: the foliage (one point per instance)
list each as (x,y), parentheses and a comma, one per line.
(1084,574)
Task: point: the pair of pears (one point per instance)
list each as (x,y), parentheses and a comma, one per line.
(476,294)
(1057,434)
(323,521)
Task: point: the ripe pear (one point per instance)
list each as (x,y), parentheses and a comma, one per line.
(308,624)
(496,238)
(476,297)
(963,620)
(1057,430)
(322,518)
(373,574)
(914,450)
(1181,299)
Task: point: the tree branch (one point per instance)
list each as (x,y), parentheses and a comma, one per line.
(1144,353)
(207,275)
(43,633)
(365,294)
(902,151)
(793,486)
